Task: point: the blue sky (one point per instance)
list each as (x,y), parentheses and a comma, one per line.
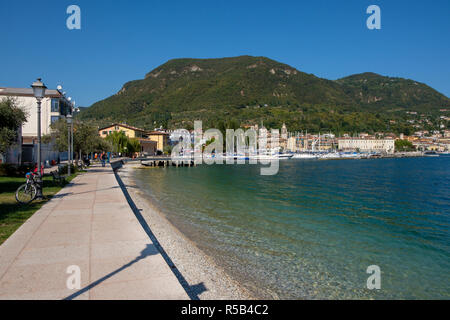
(122,40)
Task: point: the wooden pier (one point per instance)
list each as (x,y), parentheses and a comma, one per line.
(168,162)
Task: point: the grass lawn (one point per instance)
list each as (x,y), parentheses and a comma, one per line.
(12,214)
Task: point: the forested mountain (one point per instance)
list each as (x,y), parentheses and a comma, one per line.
(245,90)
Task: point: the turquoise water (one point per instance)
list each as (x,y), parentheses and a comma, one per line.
(311,231)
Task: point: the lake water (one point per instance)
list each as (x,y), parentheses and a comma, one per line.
(311,231)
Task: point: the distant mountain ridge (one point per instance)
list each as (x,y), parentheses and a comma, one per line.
(247,89)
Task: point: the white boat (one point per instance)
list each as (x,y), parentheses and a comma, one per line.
(304,156)
(271,157)
(331,155)
(350,155)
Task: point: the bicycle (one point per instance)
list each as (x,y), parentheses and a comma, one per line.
(27,192)
(82,165)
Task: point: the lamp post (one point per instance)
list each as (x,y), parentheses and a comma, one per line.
(69,145)
(39,94)
(71,130)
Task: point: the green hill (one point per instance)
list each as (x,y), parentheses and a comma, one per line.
(379,92)
(244,90)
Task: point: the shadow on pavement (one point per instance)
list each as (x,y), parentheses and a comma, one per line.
(148,251)
(192,291)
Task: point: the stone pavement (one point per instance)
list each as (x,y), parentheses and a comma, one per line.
(87,227)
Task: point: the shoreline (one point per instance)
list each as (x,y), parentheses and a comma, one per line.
(205,278)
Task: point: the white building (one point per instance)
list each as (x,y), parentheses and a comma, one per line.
(53,106)
(367,145)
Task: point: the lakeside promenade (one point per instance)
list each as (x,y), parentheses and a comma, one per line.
(87,227)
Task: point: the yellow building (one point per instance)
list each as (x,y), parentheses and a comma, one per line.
(161,138)
(130,132)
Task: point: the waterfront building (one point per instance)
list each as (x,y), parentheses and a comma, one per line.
(130,131)
(160,137)
(292,144)
(386,145)
(54,106)
(432,144)
(149,141)
(148,147)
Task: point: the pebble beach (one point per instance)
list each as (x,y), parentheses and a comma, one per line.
(206,280)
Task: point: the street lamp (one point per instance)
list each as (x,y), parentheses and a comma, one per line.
(71,108)
(39,94)
(71,129)
(69,145)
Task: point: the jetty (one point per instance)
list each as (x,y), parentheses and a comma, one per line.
(168,162)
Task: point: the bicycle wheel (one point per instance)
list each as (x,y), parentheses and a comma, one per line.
(26,193)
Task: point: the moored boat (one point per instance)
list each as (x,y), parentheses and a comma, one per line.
(431,154)
(304,156)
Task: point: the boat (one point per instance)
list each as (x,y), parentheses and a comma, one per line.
(351,155)
(431,154)
(271,157)
(330,156)
(284,156)
(304,156)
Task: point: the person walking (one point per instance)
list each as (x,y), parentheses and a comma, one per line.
(103,159)
(35,170)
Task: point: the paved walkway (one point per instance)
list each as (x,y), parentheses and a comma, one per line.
(89,225)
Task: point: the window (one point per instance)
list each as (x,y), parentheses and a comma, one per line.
(55,105)
(54,118)
(105,132)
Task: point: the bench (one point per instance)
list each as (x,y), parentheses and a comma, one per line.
(58,178)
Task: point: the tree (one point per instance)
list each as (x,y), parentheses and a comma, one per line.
(121,143)
(168,149)
(85,138)
(11,119)
(404,145)
(133,145)
(118,140)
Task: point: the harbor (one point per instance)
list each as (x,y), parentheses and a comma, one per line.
(189,161)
